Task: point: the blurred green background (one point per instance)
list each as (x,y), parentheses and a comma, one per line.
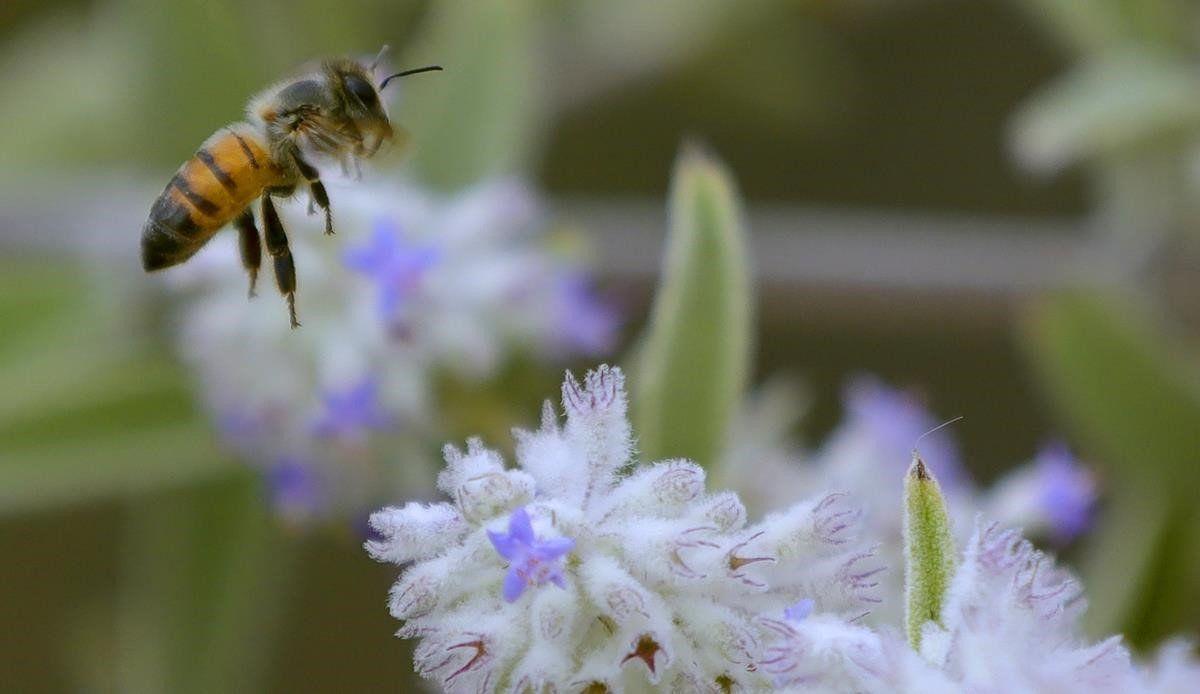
(894,231)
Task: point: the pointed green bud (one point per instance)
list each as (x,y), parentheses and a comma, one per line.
(693,366)
(928,550)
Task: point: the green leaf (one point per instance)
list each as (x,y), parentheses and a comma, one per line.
(1094,26)
(1122,386)
(928,550)
(694,363)
(1134,401)
(1126,100)
(479,116)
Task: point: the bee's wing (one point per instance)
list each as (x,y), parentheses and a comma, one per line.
(400,137)
(325,135)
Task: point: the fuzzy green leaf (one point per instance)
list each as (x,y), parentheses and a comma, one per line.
(693,364)
(1124,101)
(477,118)
(1134,401)
(1094,26)
(928,550)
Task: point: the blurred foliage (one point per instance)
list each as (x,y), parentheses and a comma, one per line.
(203,590)
(857,103)
(91,409)
(1134,400)
(1129,109)
(482,118)
(692,369)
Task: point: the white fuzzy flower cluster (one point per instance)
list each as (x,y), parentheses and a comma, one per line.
(1010,622)
(867,455)
(583,570)
(413,285)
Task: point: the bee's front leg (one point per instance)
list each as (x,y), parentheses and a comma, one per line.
(316,188)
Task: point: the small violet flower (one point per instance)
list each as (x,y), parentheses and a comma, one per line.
(293,488)
(394,264)
(587,324)
(798,612)
(893,420)
(533,562)
(348,415)
(1053,496)
(1068,491)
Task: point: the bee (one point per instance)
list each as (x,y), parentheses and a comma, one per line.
(334,113)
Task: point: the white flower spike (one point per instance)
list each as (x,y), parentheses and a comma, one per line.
(1009,622)
(415,284)
(582,570)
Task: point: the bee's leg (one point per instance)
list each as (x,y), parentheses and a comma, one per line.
(250,244)
(317,189)
(281,255)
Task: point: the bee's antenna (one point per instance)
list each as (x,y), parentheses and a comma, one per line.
(403,73)
(937,428)
(379,56)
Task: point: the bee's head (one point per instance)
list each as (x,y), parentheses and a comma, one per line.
(362,104)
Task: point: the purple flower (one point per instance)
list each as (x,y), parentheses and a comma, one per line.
(586,324)
(292,487)
(396,265)
(1067,491)
(895,419)
(351,413)
(799,611)
(240,427)
(532,562)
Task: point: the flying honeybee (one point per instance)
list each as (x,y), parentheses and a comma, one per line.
(334,113)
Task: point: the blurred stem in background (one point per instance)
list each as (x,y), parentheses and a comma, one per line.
(206,579)
(482,120)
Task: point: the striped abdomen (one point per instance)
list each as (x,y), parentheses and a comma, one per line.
(229,171)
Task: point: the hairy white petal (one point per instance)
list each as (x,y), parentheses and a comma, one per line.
(414,531)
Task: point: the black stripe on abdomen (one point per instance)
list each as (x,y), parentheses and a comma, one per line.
(200,202)
(247,151)
(220,174)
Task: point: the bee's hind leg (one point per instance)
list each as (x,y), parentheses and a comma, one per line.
(250,245)
(316,188)
(281,255)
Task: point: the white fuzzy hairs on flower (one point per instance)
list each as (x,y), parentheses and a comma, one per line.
(584,570)
(1010,623)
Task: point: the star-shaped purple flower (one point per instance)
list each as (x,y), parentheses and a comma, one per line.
(895,420)
(532,561)
(800,611)
(350,414)
(396,265)
(292,487)
(1067,491)
(587,324)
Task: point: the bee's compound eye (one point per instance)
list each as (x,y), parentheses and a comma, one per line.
(361,89)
